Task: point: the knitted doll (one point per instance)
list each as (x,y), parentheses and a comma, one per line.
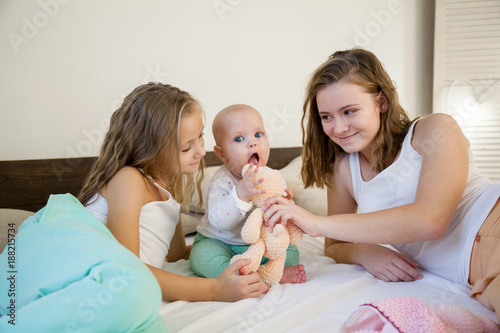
(263,243)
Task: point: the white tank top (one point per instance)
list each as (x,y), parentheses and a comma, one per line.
(449,256)
(157,223)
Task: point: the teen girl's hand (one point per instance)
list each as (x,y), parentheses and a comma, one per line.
(246,187)
(233,287)
(386,264)
(281,210)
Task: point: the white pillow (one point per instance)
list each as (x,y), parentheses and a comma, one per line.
(313,198)
(209,173)
(190,221)
(291,174)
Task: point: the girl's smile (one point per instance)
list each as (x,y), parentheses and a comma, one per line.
(346,138)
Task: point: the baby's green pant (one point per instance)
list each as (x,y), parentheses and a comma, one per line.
(209,256)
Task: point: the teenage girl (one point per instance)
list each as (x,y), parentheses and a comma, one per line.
(146,166)
(391,180)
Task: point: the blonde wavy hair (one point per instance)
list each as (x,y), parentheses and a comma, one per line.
(363,68)
(144,134)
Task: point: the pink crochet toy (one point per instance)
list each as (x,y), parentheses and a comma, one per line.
(263,243)
(410,315)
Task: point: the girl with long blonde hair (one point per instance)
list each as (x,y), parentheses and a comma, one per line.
(146,167)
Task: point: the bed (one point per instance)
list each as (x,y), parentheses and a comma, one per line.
(331,294)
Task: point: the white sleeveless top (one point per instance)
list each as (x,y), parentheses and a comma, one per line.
(157,223)
(449,256)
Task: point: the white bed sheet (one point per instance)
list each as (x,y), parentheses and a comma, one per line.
(331,293)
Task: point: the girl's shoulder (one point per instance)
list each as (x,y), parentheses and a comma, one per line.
(127,178)
(434,121)
(128,174)
(435,129)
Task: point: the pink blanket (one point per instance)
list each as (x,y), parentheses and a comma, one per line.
(410,315)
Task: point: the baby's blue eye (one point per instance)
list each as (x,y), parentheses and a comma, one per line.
(259,134)
(238,139)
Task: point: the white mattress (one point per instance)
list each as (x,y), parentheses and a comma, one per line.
(323,303)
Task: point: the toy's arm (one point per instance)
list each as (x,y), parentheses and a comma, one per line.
(295,233)
(250,232)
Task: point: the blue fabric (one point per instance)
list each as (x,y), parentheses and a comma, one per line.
(69,274)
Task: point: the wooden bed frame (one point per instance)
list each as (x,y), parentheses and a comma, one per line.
(27,184)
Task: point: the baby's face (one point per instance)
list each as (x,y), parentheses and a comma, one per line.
(244,140)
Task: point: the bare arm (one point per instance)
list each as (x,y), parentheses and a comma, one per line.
(444,151)
(126,193)
(227,287)
(382,262)
(178,249)
(340,199)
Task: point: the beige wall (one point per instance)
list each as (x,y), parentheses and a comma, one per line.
(66,65)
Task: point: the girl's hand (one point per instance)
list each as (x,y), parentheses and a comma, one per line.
(246,187)
(232,287)
(280,210)
(386,264)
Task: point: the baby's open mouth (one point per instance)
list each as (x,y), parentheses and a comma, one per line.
(254,159)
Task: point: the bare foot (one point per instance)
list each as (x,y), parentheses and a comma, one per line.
(294,274)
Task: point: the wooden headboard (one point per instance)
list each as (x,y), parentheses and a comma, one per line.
(27,184)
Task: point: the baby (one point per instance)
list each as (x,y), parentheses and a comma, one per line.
(240,138)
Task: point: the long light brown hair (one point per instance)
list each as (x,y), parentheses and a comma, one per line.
(363,68)
(144,134)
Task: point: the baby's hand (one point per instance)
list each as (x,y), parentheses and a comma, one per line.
(246,187)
